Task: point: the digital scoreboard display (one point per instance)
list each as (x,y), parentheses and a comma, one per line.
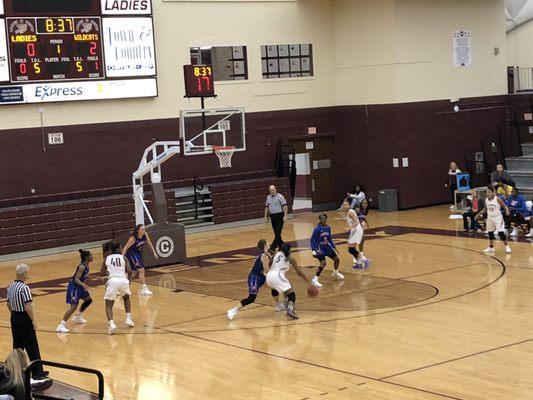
(63,50)
(199,81)
(51,49)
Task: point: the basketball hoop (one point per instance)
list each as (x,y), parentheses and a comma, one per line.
(224,154)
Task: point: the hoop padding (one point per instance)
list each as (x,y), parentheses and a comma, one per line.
(224,154)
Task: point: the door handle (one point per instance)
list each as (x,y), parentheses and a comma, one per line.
(312,185)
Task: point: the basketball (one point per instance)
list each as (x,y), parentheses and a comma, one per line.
(313,291)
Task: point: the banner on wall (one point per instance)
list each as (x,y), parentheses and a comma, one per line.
(72,91)
(1,8)
(462,48)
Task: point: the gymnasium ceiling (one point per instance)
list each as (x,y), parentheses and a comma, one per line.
(518,12)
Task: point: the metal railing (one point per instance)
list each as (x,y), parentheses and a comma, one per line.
(31,366)
(198,185)
(286,164)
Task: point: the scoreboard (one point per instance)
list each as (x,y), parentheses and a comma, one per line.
(48,49)
(64,50)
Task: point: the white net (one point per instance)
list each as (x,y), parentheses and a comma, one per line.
(224,154)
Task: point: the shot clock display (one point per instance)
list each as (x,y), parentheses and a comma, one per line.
(48,49)
(65,50)
(199,81)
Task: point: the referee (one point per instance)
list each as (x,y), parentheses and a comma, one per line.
(19,303)
(276,208)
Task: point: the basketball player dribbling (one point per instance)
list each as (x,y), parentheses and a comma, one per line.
(117,268)
(495,221)
(256,279)
(276,279)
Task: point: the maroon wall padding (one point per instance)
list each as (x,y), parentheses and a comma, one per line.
(242,200)
(42,226)
(97,156)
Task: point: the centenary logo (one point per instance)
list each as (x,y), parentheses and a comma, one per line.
(164,246)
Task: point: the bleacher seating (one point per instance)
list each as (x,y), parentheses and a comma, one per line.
(245,199)
(53,220)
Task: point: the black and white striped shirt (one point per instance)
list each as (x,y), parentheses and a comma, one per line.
(18,294)
(275,203)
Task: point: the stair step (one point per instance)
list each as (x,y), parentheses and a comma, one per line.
(189,192)
(527,149)
(189,210)
(191,202)
(204,216)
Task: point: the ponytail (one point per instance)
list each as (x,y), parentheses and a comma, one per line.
(136,230)
(84,255)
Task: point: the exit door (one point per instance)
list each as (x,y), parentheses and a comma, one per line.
(320,151)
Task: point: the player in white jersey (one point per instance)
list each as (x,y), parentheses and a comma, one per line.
(355,238)
(277,281)
(495,221)
(118,270)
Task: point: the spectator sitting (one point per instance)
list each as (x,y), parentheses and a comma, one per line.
(517,205)
(503,190)
(501,176)
(353,200)
(473,202)
(451,182)
(12,375)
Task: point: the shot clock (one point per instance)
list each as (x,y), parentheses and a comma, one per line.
(199,81)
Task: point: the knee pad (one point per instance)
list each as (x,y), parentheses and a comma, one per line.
(292,297)
(274,292)
(249,300)
(353,252)
(86,304)
(502,236)
(491,235)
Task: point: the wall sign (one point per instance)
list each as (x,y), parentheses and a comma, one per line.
(11,94)
(462,48)
(55,138)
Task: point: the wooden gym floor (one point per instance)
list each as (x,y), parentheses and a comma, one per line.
(433,318)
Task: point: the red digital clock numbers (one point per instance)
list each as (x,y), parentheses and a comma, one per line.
(199,81)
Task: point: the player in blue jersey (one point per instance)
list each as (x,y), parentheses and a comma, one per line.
(133,252)
(77,290)
(256,279)
(322,246)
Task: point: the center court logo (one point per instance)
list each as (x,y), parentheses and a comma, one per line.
(164,246)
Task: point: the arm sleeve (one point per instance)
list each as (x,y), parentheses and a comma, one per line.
(282,200)
(314,244)
(266,202)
